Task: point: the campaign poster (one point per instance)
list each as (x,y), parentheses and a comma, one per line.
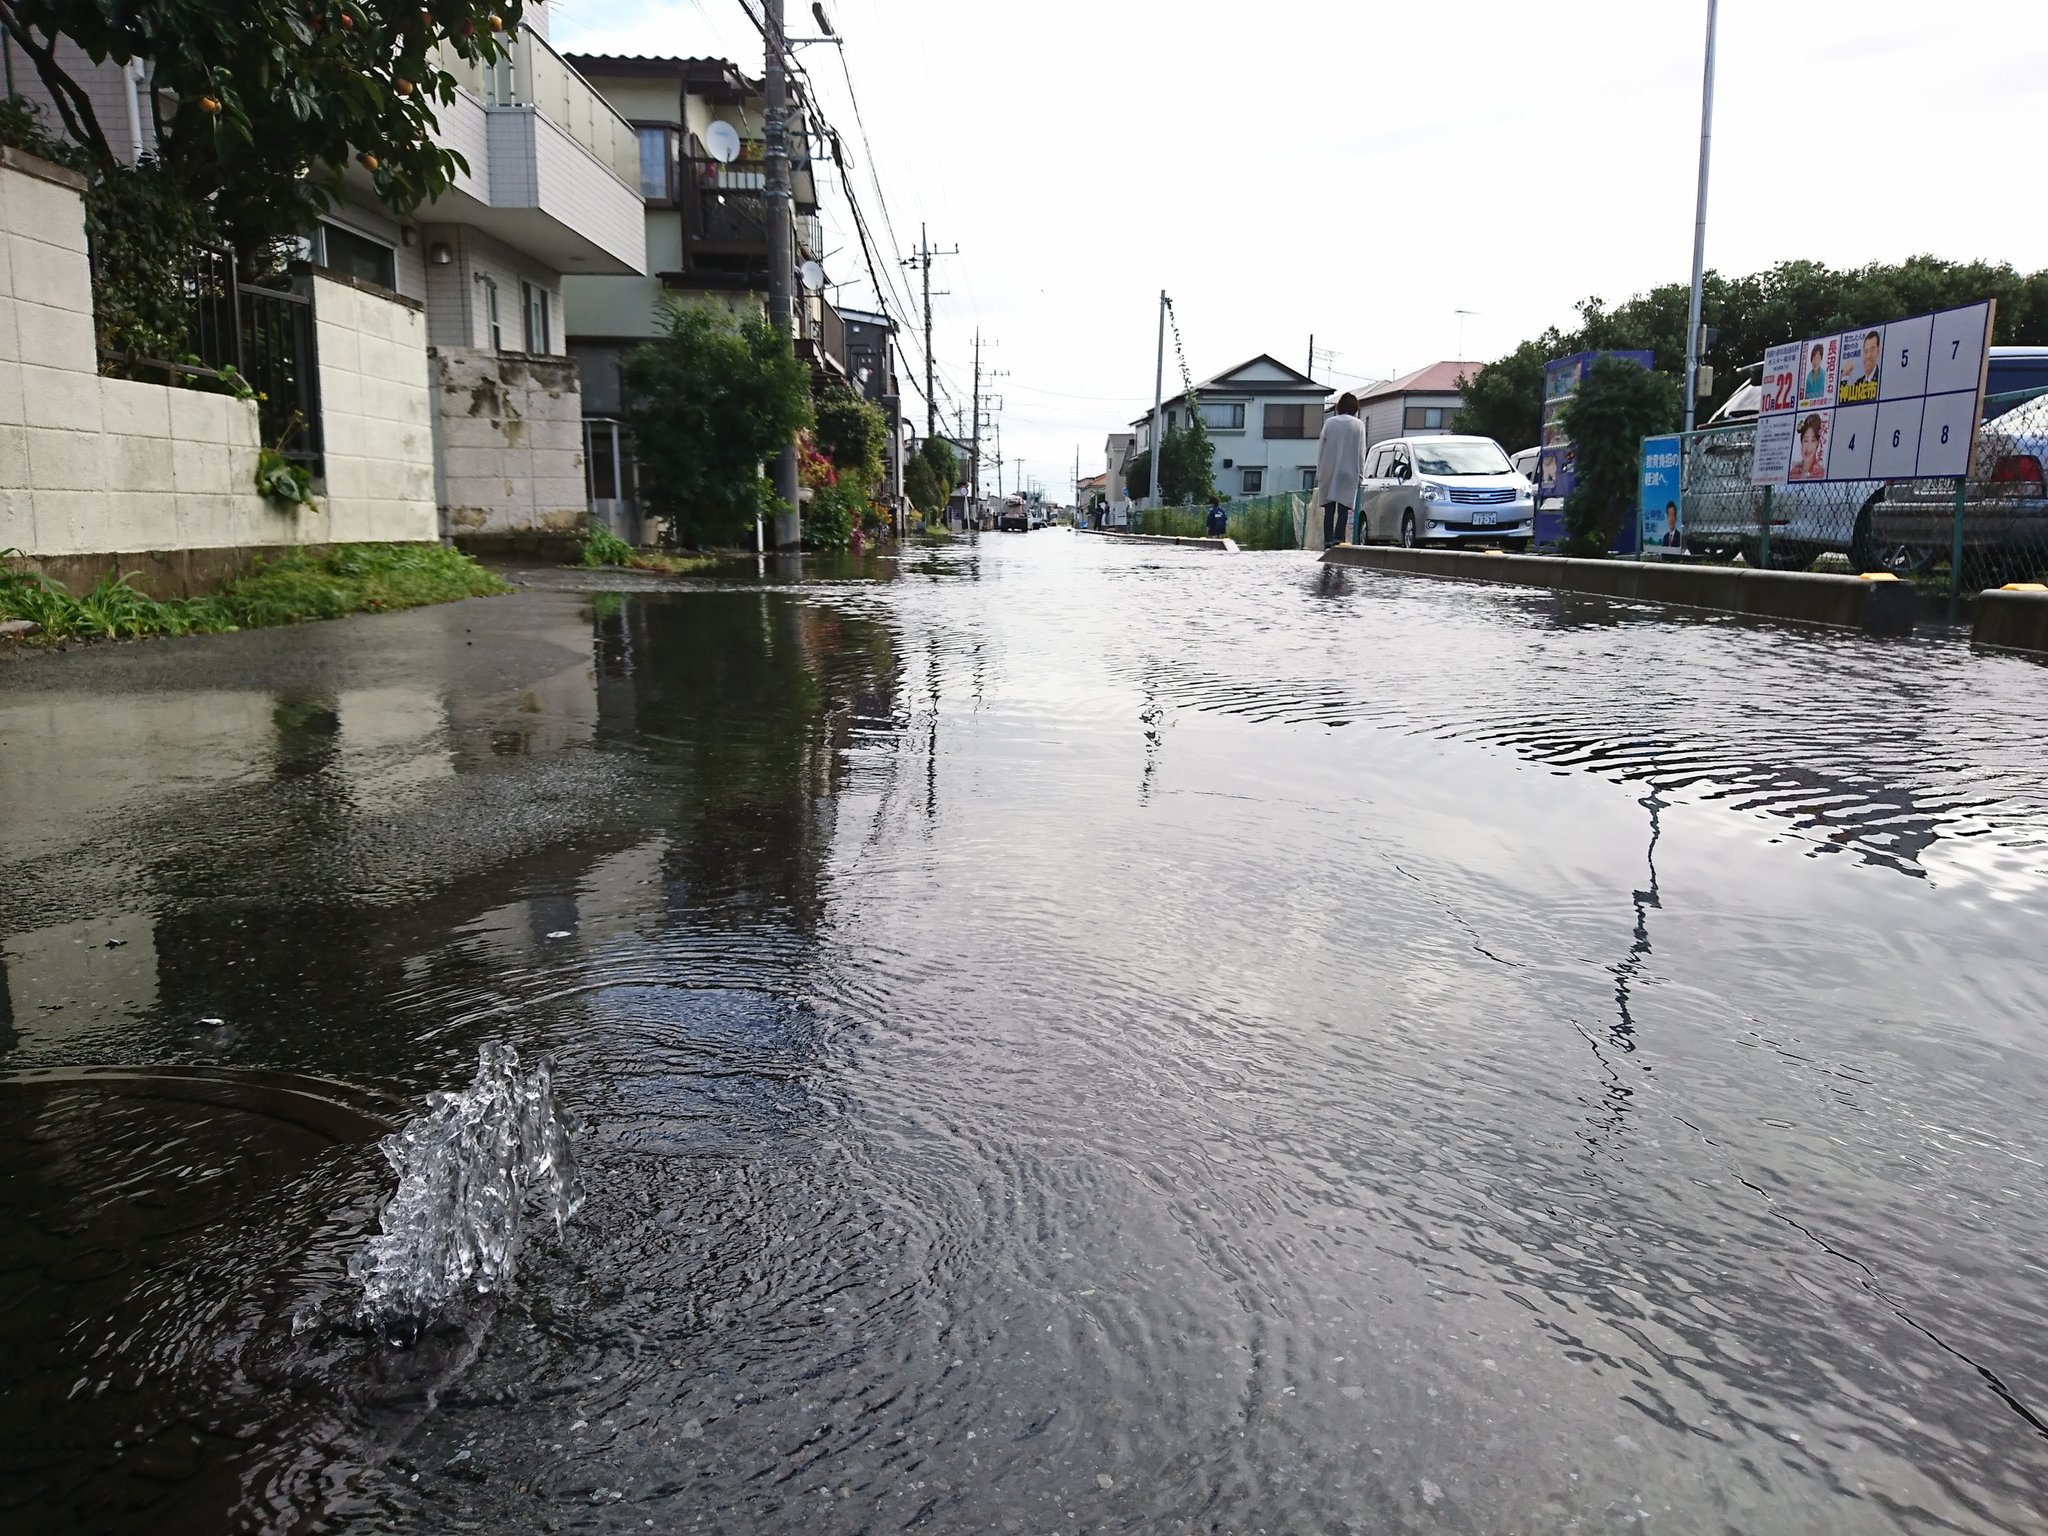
(1657,497)
(1780,379)
(1810,446)
(1861,372)
(1772,462)
(1562,376)
(1817,364)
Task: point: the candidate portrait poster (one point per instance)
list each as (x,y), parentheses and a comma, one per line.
(1817,365)
(1859,372)
(1810,447)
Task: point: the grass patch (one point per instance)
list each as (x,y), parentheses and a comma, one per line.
(602,547)
(292,589)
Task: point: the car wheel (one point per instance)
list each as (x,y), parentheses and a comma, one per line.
(1407,530)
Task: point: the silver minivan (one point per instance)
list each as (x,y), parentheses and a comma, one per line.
(1444,490)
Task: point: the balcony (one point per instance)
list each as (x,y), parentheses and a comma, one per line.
(553,170)
(725,218)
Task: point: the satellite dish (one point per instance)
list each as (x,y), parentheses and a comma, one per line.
(814,277)
(723,140)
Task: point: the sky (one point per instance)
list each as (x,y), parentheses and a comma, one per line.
(1362,172)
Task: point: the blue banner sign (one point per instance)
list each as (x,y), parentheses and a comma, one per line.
(1657,499)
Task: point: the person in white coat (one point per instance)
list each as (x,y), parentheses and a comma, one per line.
(1340,465)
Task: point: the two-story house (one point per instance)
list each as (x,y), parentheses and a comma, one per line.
(1263,419)
(1427,400)
(705,215)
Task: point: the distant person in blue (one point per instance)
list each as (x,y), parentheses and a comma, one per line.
(1218,518)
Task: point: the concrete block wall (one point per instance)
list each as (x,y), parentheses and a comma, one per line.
(376,413)
(511,441)
(95,468)
(91,464)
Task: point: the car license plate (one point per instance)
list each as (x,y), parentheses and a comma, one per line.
(1483,519)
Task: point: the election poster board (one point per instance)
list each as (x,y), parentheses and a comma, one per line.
(1657,499)
(1898,401)
(1557,465)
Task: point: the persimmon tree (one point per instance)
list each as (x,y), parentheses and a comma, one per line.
(257,107)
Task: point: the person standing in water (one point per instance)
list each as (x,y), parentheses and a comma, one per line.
(1340,461)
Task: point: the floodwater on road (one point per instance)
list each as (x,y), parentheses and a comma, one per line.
(1063,1036)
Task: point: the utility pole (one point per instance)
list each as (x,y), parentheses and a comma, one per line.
(1159,399)
(999,458)
(1699,229)
(922,261)
(781,244)
(974,453)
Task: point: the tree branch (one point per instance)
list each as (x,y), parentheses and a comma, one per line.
(72,103)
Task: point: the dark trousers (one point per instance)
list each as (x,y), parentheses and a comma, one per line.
(1335,516)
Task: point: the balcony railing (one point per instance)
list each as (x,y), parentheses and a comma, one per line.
(538,77)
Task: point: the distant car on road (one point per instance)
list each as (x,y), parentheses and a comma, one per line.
(1444,490)
(1015,516)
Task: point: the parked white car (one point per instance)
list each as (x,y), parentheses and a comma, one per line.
(1444,490)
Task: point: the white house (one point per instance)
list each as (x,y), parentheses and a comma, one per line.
(1263,418)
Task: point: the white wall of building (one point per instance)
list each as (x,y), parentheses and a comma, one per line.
(1386,417)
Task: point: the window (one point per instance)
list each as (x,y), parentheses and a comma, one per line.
(1382,464)
(534,300)
(1477,457)
(658,155)
(1254,481)
(1426,418)
(1308,479)
(345,251)
(1226,417)
(494,332)
(1288,421)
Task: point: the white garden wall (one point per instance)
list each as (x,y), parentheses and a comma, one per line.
(95,466)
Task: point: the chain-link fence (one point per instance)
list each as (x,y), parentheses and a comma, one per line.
(1256,522)
(1954,536)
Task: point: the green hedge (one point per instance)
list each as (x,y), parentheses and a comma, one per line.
(1262,522)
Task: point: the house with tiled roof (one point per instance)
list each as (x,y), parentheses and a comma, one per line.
(1426,400)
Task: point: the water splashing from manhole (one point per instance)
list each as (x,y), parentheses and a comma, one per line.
(467,1170)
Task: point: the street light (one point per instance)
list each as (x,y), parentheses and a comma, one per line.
(1699,232)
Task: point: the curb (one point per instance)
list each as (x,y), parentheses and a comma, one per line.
(1876,607)
(1221,546)
(2011,619)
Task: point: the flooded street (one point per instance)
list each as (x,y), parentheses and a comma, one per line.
(1061,1037)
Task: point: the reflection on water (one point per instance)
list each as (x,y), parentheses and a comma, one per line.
(1070,1037)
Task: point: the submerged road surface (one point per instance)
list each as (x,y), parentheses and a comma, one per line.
(1065,1037)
